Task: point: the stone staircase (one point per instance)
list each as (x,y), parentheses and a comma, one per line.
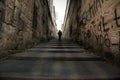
(57,61)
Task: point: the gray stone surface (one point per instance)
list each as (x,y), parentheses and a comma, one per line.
(54,49)
(73,46)
(94,23)
(56,66)
(55,56)
(24,23)
(39,54)
(58,69)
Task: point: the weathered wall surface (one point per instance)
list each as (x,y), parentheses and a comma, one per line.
(53,28)
(98,24)
(23,23)
(70,21)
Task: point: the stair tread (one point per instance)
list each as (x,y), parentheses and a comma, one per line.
(57,61)
(63,69)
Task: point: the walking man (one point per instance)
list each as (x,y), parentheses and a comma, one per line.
(59,34)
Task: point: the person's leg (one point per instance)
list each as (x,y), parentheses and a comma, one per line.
(59,38)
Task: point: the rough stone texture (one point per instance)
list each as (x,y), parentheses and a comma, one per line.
(95,22)
(24,23)
(58,65)
(70,21)
(53,28)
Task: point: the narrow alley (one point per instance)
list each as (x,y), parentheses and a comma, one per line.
(36,43)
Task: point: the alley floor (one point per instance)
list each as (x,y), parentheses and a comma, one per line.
(56,60)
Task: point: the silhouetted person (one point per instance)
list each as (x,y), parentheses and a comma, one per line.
(59,34)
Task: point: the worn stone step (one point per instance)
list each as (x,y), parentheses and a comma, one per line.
(61,44)
(57,61)
(47,51)
(55,56)
(57,70)
(55,50)
(58,58)
(18,76)
(70,47)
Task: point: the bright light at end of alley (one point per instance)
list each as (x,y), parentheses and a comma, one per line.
(60,6)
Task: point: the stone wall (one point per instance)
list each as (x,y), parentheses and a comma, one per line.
(98,25)
(53,28)
(23,23)
(70,21)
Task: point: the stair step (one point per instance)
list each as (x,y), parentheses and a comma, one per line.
(58,58)
(55,56)
(55,50)
(16,76)
(72,47)
(57,70)
(57,61)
